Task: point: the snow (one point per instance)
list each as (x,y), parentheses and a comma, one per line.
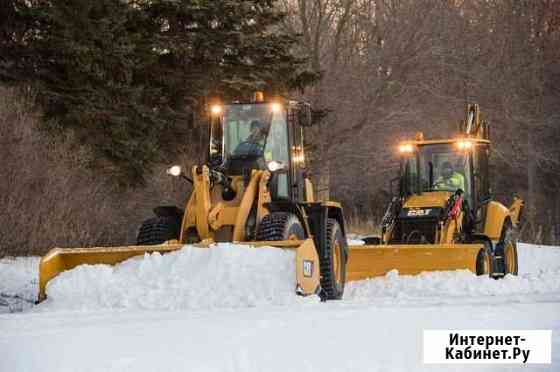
(354,239)
(18,283)
(194,278)
(231,308)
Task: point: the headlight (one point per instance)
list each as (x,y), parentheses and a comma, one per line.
(175,171)
(273,166)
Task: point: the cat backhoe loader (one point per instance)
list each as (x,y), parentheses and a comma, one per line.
(253,189)
(444,217)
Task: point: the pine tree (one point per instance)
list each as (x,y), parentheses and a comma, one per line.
(124,77)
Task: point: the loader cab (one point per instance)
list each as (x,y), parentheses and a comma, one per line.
(262,136)
(445,166)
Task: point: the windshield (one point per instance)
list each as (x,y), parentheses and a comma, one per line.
(252,132)
(440,167)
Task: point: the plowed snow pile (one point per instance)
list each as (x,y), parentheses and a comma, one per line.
(235,276)
(225,276)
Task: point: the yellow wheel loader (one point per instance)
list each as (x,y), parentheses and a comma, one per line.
(253,189)
(444,217)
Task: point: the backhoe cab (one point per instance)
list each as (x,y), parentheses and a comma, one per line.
(253,189)
(444,217)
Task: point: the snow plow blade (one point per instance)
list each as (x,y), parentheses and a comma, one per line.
(59,260)
(367,261)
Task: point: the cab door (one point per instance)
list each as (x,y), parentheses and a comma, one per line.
(298,115)
(481,185)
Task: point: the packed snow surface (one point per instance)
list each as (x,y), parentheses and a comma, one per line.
(232,308)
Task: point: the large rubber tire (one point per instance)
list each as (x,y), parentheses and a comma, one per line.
(333,263)
(280,226)
(191,236)
(507,249)
(484,261)
(158,230)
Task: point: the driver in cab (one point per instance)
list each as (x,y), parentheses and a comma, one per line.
(255,142)
(449,180)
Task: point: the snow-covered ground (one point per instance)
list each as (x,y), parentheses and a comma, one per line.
(233,309)
(18,283)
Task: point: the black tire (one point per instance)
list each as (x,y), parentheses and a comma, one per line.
(191,236)
(158,230)
(507,250)
(280,226)
(333,263)
(484,261)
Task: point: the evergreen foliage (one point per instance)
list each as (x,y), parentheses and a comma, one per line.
(125,77)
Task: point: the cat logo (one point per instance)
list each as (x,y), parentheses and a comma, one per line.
(419,212)
(307,268)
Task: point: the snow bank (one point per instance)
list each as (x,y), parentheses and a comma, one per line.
(224,276)
(537,258)
(18,283)
(235,276)
(538,279)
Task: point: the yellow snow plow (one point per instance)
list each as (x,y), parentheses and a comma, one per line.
(307,280)
(253,190)
(444,217)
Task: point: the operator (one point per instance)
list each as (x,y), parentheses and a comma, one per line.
(254,144)
(450,179)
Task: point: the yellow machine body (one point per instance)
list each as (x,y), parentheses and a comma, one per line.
(448,249)
(210,215)
(217,219)
(367,261)
(210,218)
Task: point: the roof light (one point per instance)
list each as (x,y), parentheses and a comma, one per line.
(216,109)
(464,144)
(259,96)
(275,107)
(406,148)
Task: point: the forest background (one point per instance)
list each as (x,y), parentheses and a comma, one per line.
(97,98)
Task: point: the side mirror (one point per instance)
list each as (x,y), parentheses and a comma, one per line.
(392,185)
(304,115)
(318,115)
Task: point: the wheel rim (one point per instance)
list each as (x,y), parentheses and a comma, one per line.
(510,258)
(337,259)
(486,264)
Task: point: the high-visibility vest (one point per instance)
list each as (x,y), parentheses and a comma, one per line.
(456,181)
